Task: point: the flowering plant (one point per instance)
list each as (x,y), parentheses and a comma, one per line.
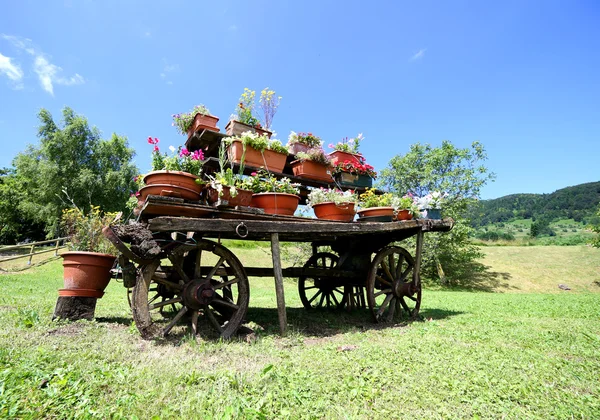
(184,120)
(348,145)
(85,230)
(181,159)
(132,201)
(328,195)
(309,139)
(225,177)
(258,142)
(370,199)
(315,154)
(269,103)
(262,181)
(355,168)
(406,202)
(433,200)
(245,109)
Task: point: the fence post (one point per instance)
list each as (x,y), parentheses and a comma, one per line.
(31,254)
(56,248)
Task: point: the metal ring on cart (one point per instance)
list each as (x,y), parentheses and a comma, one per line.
(241,230)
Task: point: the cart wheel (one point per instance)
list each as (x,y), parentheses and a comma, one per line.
(390,286)
(320,292)
(217,291)
(164,286)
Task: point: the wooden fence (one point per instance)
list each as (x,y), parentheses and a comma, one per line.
(32,250)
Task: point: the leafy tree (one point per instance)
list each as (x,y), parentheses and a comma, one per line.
(459,172)
(596,228)
(72,158)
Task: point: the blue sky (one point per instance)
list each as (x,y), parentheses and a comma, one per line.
(522,77)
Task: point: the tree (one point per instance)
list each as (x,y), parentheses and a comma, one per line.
(596,228)
(459,172)
(73,159)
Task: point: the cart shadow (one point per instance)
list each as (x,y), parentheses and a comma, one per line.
(477,277)
(115,320)
(327,323)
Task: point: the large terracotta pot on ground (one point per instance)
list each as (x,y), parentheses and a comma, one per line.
(338,156)
(276,203)
(203,122)
(331,211)
(243,197)
(172,184)
(86,274)
(312,170)
(236,128)
(377,212)
(270,160)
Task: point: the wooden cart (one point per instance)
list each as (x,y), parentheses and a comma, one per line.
(181,275)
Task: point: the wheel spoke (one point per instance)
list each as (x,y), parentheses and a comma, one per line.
(392,264)
(405,306)
(405,272)
(382,292)
(382,280)
(174,321)
(198,266)
(223,302)
(215,268)
(225,284)
(194,324)
(314,297)
(311,287)
(213,319)
(337,303)
(390,315)
(153,299)
(164,303)
(386,269)
(321,301)
(177,266)
(168,283)
(414,299)
(384,305)
(399,266)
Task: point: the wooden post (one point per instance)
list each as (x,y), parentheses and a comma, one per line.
(74,308)
(418,252)
(277,271)
(31,254)
(56,248)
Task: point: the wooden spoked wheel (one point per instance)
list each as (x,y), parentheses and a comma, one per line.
(321,291)
(216,292)
(164,286)
(391,289)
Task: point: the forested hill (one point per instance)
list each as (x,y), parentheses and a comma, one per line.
(579,202)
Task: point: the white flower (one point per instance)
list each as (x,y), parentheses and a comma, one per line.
(172,149)
(292,137)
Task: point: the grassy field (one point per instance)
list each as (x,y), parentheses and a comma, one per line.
(530,354)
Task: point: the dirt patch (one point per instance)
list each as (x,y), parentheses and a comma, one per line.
(67,330)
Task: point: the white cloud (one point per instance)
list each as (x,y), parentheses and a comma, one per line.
(12,71)
(167,69)
(147,34)
(232,28)
(418,55)
(48,73)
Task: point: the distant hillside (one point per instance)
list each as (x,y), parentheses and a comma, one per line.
(579,202)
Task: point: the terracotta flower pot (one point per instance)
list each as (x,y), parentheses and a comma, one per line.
(180,184)
(403,215)
(235,128)
(331,211)
(377,212)
(203,122)
(86,274)
(338,156)
(272,161)
(312,170)
(296,148)
(276,203)
(243,197)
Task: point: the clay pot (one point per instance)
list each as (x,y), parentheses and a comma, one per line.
(331,211)
(338,156)
(403,215)
(272,161)
(312,170)
(203,122)
(377,212)
(86,274)
(172,184)
(236,128)
(296,148)
(243,197)
(276,203)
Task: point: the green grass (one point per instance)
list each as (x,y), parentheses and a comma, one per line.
(515,355)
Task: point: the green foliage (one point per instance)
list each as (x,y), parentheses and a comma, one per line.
(183,121)
(370,199)
(461,174)
(596,229)
(308,139)
(314,154)
(75,158)
(258,142)
(323,195)
(85,230)
(263,181)
(245,109)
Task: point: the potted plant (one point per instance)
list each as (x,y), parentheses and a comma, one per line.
(275,196)
(199,118)
(405,207)
(375,206)
(174,175)
(431,205)
(301,142)
(226,185)
(346,150)
(312,164)
(244,119)
(135,201)
(257,151)
(354,174)
(88,263)
(333,204)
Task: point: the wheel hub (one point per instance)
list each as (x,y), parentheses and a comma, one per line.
(198,293)
(402,289)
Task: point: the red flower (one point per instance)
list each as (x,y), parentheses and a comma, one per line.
(155,148)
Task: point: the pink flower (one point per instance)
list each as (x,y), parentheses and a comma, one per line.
(197,155)
(331,146)
(150,140)
(137,194)
(184,152)
(253,174)
(155,148)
